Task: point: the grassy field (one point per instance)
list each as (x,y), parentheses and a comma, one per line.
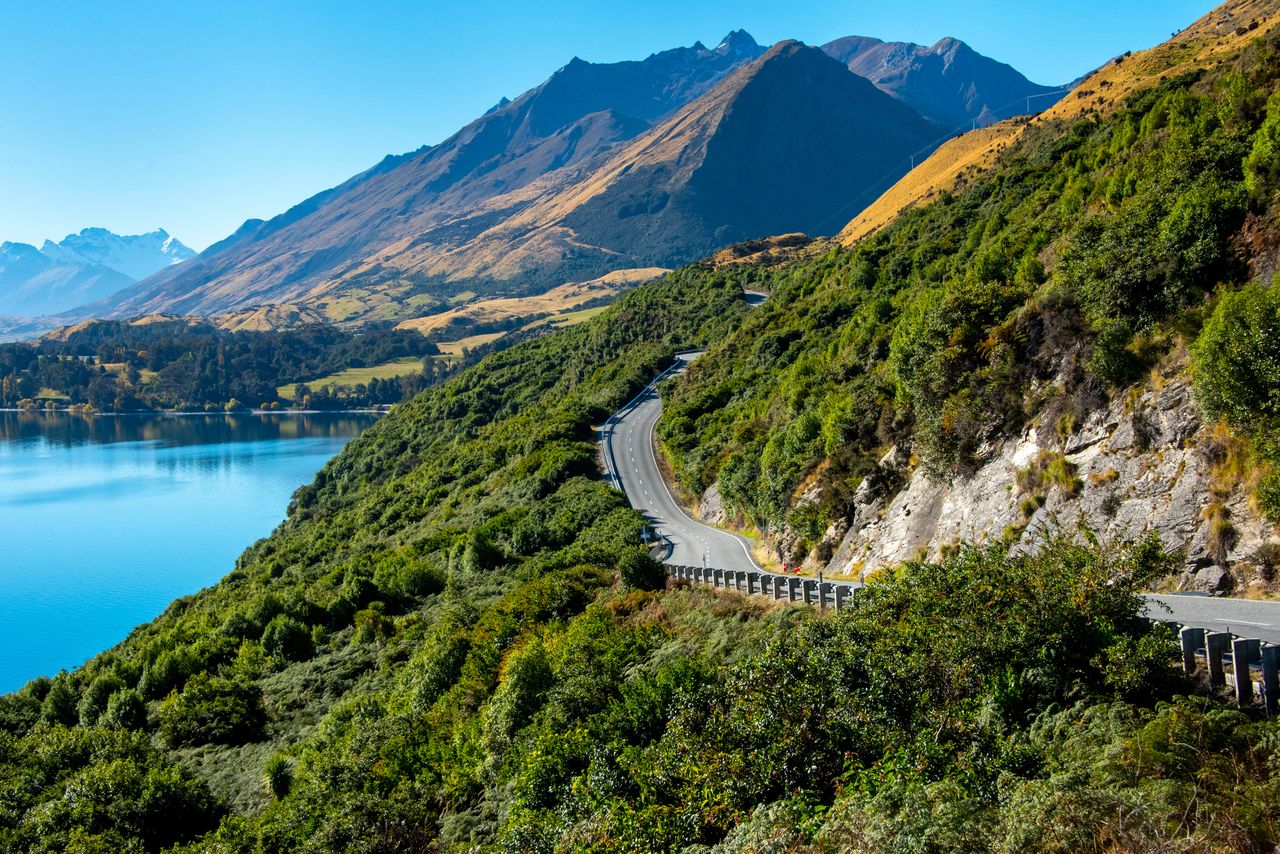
(360,376)
(455,348)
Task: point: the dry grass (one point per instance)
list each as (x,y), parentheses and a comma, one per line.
(559,300)
(455,348)
(1214,37)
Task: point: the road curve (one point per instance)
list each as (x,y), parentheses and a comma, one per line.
(631,456)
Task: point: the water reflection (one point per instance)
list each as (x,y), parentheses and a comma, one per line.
(70,428)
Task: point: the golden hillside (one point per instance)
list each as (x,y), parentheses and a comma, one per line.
(1218,34)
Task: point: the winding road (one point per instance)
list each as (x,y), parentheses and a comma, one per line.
(630,453)
(631,457)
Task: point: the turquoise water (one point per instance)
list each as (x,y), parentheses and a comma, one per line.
(105,520)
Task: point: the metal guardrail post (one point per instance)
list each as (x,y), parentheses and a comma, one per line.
(1243,652)
(717,577)
(809,583)
(753,582)
(1191,639)
(842,590)
(824,588)
(1215,645)
(1270,655)
(793,589)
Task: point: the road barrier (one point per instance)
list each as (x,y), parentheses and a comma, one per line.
(770,585)
(1248,666)
(1238,662)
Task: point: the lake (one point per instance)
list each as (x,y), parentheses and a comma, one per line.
(105,520)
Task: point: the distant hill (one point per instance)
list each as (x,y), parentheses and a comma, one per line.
(81,268)
(949,82)
(603,167)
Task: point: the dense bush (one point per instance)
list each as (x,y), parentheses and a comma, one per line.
(212,710)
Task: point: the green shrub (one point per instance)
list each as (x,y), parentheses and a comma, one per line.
(1236,359)
(126,710)
(93,702)
(638,570)
(286,638)
(212,710)
(278,776)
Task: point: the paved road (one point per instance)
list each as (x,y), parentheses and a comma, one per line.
(1245,618)
(630,453)
(629,449)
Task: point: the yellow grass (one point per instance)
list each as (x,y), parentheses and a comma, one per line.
(559,300)
(455,348)
(1201,45)
(359,376)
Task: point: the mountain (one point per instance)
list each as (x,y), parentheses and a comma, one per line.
(580,111)
(603,167)
(950,82)
(81,268)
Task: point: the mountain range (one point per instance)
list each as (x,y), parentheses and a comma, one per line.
(603,167)
(83,267)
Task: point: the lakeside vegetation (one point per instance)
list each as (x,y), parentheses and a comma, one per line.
(114,366)
(455,642)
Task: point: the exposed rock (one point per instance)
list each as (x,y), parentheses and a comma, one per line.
(711,508)
(1138,470)
(1214,579)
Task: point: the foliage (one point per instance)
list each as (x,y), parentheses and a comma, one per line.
(118,366)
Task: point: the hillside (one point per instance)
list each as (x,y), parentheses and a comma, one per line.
(456,641)
(1211,39)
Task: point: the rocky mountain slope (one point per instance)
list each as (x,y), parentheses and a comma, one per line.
(948,82)
(83,267)
(601,168)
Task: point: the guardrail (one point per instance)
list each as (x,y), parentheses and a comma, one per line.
(1249,666)
(789,588)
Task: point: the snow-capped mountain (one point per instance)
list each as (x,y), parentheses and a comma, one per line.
(137,255)
(82,268)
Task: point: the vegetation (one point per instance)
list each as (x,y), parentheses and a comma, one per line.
(454,642)
(114,366)
(1038,289)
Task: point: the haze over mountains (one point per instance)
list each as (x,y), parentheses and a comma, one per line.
(83,267)
(603,167)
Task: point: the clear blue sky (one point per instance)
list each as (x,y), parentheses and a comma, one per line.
(195,116)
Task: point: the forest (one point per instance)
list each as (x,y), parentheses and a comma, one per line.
(117,366)
(455,641)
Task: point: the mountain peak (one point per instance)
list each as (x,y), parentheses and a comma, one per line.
(738,43)
(948,82)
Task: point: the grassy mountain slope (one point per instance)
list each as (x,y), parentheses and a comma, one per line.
(1212,39)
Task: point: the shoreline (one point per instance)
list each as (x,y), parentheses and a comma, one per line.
(187,413)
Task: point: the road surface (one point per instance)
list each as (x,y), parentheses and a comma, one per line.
(1246,618)
(631,456)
